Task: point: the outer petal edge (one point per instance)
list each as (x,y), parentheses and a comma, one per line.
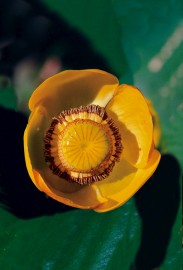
(90,195)
(139,179)
(129,110)
(75,88)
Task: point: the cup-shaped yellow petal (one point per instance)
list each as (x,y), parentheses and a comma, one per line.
(129,110)
(86,197)
(74,88)
(72,194)
(33,137)
(128,180)
(156,123)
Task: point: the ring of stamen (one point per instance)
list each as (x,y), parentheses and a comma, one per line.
(82,144)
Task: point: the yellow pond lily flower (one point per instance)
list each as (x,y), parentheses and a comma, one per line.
(89,141)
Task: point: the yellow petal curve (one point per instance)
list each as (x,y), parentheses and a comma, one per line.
(74,88)
(131,114)
(71,194)
(119,191)
(38,123)
(34,149)
(156,123)
(87,197)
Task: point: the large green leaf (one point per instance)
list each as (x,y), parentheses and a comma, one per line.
(152,38)
(72,240)
(38,233)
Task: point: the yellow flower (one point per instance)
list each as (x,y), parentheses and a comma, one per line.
(89,141)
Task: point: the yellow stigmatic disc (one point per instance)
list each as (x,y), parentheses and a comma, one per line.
(82,145)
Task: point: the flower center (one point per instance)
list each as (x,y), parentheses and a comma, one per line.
(82,144)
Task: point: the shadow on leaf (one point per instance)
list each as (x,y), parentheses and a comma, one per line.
(157,203)
(17,192)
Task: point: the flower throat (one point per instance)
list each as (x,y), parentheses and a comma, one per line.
(82,144)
